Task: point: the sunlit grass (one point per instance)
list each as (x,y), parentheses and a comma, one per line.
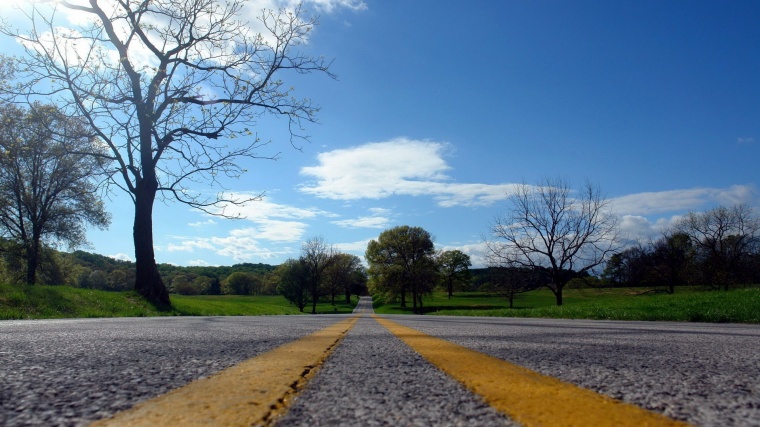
(689,305)
(239,305)
(51,302)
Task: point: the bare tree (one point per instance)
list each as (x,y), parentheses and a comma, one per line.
(164,84)
(725,236)
(47,191)
(510,282)
(317,256)
(550,227)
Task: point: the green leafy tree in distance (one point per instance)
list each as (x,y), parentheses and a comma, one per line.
(454,268)
(402,260)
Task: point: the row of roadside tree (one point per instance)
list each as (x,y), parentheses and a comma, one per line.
(718,248)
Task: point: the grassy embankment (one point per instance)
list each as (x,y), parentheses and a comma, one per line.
(685,305)
(51,302)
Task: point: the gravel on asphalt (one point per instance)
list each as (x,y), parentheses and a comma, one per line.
(374,379)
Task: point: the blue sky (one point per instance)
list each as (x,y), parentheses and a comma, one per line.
(441,106)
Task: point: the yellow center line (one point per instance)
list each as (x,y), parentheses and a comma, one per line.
(253,392)
(527,397)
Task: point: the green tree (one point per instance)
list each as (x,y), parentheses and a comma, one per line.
(98,279)
(551,227)
(184,284)
(117,280)
(47,186)
(204,284)
(454,268)
(294,282)
(402,260)
(241,283)
(164,84)
(344,275)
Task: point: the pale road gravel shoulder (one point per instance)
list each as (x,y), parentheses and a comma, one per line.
(705,374)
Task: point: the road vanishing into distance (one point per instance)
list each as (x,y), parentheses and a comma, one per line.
(368,370)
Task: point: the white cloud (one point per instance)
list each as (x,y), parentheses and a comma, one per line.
(330,6)
(379,218)
(363,222)
(202,223)
(189,245)
(280,231)
(241,244)
(122,257)
(681,200)
(199,263)
(357,248)
(264,210)
(398,167)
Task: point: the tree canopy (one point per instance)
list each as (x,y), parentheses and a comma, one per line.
(48,188)
(454,268)
(401,261)
(166,85)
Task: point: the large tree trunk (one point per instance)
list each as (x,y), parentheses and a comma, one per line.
(32,260)
(314,298)
(148,281)
(558,294)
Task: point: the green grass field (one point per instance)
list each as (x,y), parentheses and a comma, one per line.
(685,305)
(52,302)
(688,305)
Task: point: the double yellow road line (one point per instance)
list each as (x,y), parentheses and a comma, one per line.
(256,391)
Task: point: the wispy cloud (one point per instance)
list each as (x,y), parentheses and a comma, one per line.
(198,263)
(274,224)
(264,209)
(681,200)
(378,218)
(358,247)
(241,244)
(202,223)
(397,167)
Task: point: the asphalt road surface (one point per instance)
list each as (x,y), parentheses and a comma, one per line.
(71,372)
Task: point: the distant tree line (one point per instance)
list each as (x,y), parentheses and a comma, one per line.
(320,272)
(93,271)
(718,248)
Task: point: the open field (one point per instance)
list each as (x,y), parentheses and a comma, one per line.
(51,302)
(685,305)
